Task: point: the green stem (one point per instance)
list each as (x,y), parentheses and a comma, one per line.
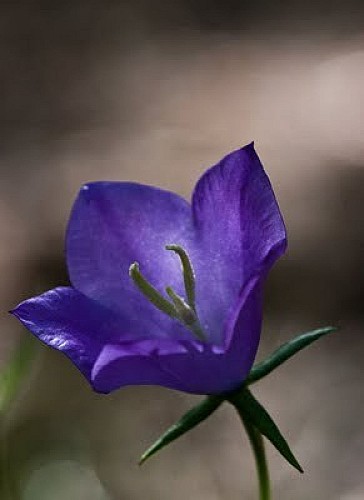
(257,444)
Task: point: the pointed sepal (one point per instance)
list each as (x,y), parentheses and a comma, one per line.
(252,411)
(285,352)
(189,420)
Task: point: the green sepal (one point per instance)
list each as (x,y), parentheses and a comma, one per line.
(285,352)
(251,410)
(15,371)
(247,406)
(189,420)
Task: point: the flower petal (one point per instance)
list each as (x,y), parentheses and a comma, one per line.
(114,224)
(184,366)
(239,227)
(68,321)
(136,363)
(187,366)
(242,330)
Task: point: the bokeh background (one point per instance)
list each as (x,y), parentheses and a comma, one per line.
(156,92)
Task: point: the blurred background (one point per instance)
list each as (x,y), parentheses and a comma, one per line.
(156,92)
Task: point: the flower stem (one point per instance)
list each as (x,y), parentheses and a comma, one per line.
(257,444)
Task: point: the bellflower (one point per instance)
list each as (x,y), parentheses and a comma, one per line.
(165,292)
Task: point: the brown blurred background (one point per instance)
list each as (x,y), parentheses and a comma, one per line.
(156,92)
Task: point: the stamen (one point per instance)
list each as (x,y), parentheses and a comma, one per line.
(183,309)
(150,292)
(188,274)
(186,314)
(179,308)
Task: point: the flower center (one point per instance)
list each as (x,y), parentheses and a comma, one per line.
(180,308)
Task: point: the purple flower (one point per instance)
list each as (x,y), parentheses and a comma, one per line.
(118,324)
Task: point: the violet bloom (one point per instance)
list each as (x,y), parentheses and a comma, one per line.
(134,314)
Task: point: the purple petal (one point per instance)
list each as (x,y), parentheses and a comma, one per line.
(138,363)
(242,330)
(68,321)
(239,228)
(236,212)
(184,366)
(114,224)
(187,366)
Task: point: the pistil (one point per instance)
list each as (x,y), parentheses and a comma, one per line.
(182,309)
